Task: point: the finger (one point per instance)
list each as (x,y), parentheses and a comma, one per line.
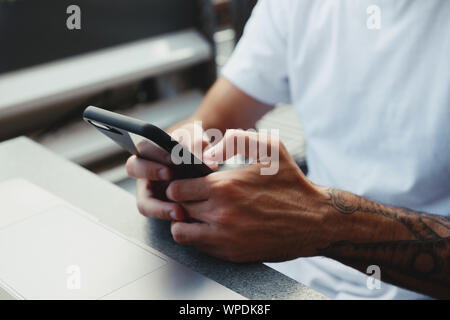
(141,168)
(199,210)
(155,208)
(143,188)
(197,147)
(191,136)
(191,233)
(214,165)
(250,144)
(188,190)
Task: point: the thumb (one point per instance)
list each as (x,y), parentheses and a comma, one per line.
(257,147)
(191,136)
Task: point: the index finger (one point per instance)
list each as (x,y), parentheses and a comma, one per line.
(250,144)
(196,189)
(139,168)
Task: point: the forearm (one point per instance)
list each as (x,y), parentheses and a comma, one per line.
(226,107)
(411,248)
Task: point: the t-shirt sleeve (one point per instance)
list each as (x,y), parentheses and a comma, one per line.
(258,65)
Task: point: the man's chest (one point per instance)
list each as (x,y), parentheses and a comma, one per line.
(386,66)
(375,100)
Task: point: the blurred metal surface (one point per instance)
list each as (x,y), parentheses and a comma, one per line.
(240,12)
(63,80)
(36,32)
(82,144)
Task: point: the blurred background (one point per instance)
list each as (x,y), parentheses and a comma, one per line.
(150,59)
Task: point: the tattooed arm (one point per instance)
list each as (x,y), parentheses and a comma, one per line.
(243,215)
(411,248)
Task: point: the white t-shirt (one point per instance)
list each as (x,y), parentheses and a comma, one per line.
(370,80)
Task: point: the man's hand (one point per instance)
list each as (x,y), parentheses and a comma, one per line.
(153,177)
(243,215)
(246,216)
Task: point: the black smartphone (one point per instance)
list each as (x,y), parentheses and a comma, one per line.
(147,141)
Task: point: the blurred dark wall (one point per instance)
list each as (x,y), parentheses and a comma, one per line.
(34,31)
(240,13)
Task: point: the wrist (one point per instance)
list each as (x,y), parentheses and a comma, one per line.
(314,219)
(331,226)
(341,218)
(349,217)
(337,218)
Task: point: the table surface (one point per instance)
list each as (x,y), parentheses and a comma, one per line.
(116,208)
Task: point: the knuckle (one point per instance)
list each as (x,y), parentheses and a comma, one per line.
(223,187)
(223,216)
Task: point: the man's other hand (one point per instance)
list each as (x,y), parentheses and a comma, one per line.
(242,215)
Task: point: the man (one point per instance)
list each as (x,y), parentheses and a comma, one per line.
(370,81)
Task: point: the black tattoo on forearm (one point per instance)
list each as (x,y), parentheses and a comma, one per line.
(417,222)
(420,263)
